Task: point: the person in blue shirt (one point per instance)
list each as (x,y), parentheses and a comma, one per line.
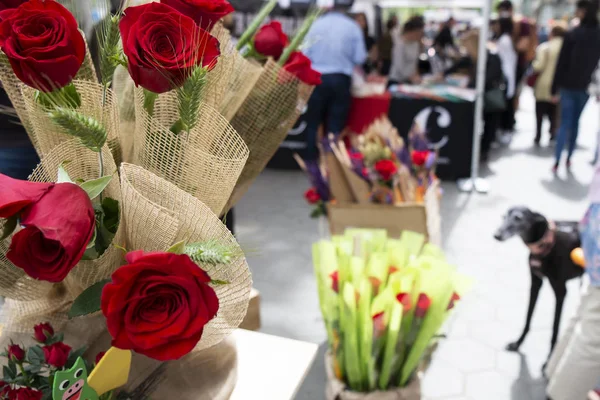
(336,45)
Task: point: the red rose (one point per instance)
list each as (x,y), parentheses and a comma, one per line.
(335,281)
(158,305)
(58,222)
(16,353)
(25,394)
(6,4)
(99,356)
(423,304)
(386,169)
(419,158)
(43,44)
(57,354)
(270,40)
(312,196)
(404,299)
(205,12)
(163,46)
(357,156)
(43,332)
(300,66)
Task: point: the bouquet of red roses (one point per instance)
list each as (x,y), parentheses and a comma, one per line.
(99,247)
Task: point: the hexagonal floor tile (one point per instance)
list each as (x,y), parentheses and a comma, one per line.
(466,354)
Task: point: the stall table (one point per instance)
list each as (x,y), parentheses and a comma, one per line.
(449,125)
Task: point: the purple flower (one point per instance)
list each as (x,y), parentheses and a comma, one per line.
(317,180)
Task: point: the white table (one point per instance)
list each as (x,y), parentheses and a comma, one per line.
(270,367)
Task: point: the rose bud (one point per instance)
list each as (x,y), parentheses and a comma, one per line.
(43,332)
(335,281)
(158,305)
(386,169)
(58,223)
(16,353)
(404,299)
(205,13)
(419,157)
(99,356)
(378,325)
(42,42)
(25,393)
(270,41)
(423,304)
(57,354)
(163,46)
(312,196)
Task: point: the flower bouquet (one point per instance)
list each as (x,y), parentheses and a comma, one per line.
(383,301)
(112,255)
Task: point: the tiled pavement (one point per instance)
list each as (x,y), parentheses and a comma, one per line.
(471,364)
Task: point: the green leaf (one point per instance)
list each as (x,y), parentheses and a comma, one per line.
(149,101)
(111,214)
(177,248)
(107,223)
(91,132)
(96,186)
(35,355)
(13,368)
(73,356)
(33,369)
(63,175)
(88,302)
(10,224)
(65,97)
(8,373)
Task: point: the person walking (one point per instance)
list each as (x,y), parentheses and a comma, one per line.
(337,47)
(508,57)
(405,56)
(577,62)
(544,66)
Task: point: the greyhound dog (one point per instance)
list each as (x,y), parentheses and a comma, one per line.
(551,245)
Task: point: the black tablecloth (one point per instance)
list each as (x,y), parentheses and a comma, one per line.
(445,122)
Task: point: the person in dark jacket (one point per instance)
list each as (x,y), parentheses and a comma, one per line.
(445,38)
(577,62)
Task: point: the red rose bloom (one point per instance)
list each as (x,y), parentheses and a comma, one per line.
(386,169)
(16,353)
(6,4)
(158,305)
(300,66)
(419,158)
(25,394)
(335,281)
(270,40)
(58,222)
(404,299)
(312,196)
(57,354)
(43,332)
(99,356)
(205,12)
(163,46)
(423,304)
(42,42)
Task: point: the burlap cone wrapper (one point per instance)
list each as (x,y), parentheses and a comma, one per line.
(337,390)
(124,90)
(265,118)
(218,78)
(157,215)
(205,162)
(245,74)
(28,301)
(48,135)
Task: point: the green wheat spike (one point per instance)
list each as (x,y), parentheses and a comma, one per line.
(190,97)
(109,48)
(210,252)
(91,133)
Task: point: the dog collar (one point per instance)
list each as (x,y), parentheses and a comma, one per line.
(543,246)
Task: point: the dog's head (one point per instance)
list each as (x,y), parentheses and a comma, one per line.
(523,222)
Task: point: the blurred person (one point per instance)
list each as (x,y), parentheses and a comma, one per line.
(545,66)
(337,47)
(385,46)
(577,62)
(508,57)
(405,55)
(371,45)
(445,38)
(494,81)
(574,367)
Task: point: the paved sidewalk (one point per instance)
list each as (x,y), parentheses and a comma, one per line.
(471,364)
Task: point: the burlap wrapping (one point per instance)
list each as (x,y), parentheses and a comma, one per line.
(157,215)
(31,300)
(244,75)
(124,90)
(336,390)
(217,79)
(48,135)
(205,162)
(265,118)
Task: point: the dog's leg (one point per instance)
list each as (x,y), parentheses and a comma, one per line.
(536,285)
(560,292)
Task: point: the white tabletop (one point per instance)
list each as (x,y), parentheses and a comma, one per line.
(270,367)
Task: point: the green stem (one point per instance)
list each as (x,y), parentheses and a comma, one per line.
(149,101)
(23,372)
(251,30)
(299,38)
